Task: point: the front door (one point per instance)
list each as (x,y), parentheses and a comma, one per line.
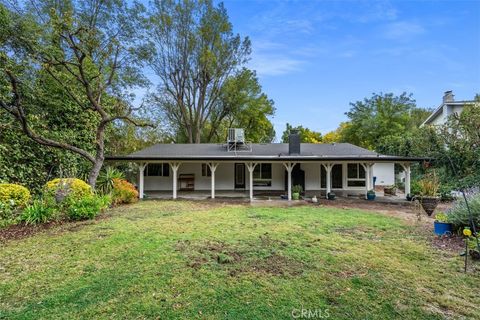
(239,175)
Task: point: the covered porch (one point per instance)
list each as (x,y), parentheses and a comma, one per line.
(253,180)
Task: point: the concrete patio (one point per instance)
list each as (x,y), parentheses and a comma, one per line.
(260,196)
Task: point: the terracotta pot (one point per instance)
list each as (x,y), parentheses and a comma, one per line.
(429,204)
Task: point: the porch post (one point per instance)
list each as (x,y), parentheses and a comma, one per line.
(174,166)
(213,167)
(407,178)
(366,167)
(250,167)
(141,171)
(289,166)
(328,170)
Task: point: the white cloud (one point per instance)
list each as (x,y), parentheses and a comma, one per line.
(274,64)
(403,30)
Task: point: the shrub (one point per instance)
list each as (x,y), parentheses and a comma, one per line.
(14,195)
(67,189)
(40,211)
(106,179)
(7,215)
(87,207)
(415,188)
(124,192)
(297,188)
(429,185)
(459,216)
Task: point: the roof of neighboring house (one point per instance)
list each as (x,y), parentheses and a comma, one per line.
(439,110)
(259,151)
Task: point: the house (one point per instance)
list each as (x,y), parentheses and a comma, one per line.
(448,107)
(238,166)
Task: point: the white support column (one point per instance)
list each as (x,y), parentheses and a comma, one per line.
(366,167)
(174,166)
(406,166)
(213,167)
(289,166)
(141,175)
(250,167)
(328,171)
(371,176)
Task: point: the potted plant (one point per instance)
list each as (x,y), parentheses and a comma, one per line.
(429,192)
(331,196)
(296,190)
(441,226)
(371,194)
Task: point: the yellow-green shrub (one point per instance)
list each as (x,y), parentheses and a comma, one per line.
(123,192)
(14,195)
(67,188)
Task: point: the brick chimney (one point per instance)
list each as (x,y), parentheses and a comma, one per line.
(448,96)
(294,142)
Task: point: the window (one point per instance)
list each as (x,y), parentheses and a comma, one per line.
(157,170)
(206,172)
(262,175)
(336,181)
(355,175)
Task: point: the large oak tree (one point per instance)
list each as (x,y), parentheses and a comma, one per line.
(90,50)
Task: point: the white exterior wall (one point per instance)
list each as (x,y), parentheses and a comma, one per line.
(385,173)
(225,175)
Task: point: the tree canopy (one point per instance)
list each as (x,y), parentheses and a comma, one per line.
(200,64)
(306,135)
(66,69)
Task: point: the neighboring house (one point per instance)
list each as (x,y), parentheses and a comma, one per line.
(448,107)
(265,168)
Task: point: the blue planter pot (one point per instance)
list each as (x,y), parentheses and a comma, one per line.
(371,196)
(442,228)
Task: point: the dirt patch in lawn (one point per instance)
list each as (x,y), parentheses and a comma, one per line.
(261,256)
(22,230)
(451,243)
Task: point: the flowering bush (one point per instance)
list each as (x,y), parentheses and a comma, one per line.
(67,189)
(14,195)
(124,192)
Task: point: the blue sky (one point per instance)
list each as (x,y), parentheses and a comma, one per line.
(314,57)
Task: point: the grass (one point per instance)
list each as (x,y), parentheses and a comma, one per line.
(166,260)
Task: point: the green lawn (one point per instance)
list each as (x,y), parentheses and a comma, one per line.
(166,260)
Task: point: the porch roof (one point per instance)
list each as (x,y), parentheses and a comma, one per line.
(260,152)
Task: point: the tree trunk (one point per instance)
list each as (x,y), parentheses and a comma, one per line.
(95,171)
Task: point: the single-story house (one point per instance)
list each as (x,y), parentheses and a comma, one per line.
(259,167)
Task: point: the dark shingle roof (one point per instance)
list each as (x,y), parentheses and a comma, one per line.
(259,151)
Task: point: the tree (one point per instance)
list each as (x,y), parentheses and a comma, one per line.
(379,116)
(306,135)
(196,53)
(90,50)
(336,135)
(248,108)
